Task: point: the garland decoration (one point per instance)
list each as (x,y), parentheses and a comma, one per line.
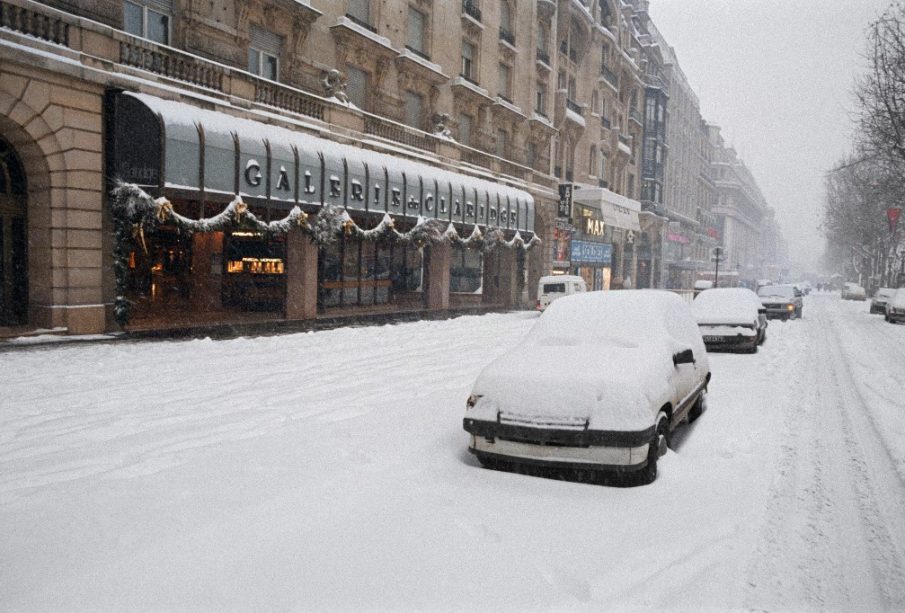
(134,211)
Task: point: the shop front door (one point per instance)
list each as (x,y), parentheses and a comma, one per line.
(13,240)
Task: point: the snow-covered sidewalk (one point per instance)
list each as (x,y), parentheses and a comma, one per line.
(329,471)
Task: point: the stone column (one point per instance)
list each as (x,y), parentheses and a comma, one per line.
(438,276)
(207,270)
(301,276)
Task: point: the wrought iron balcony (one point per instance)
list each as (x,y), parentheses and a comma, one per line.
(362,23)
(507,36)
(470,8)
(543,56)
(609,76)
(574,106)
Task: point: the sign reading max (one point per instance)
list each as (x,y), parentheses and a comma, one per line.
(192,149)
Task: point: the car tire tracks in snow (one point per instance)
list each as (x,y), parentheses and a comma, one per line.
(844,545)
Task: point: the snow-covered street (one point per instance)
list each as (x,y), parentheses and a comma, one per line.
(329,471)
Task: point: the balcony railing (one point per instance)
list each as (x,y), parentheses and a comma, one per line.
(470,8)
(400,134)
(625,140)
(170,63)
(33,23)
(635,115)
(609,76)
(507,36)
(574,106)
(543,56)
(287,98)
(605,122)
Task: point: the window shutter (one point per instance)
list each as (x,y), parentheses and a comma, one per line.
(265,40)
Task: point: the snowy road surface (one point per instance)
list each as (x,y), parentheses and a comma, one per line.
(329,471)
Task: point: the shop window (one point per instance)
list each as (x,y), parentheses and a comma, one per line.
(148,19)
(406,269)
(466,271)
(255,277)
(264,52)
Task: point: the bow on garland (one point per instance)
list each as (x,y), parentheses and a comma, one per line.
(134,210)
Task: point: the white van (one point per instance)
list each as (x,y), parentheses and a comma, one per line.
(556,286)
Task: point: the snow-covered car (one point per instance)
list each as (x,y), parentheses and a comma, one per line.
(781,301)
(895,307)
(853,291)
(730,319)
(598,385)
(878,302)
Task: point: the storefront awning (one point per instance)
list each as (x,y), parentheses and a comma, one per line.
(618,211)
(162,145)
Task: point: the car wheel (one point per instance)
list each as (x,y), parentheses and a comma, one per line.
(648,474)
(697,409)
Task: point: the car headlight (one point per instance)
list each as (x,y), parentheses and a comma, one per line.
(790,307)
(472,400)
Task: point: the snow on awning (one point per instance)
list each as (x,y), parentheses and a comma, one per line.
(618,211)
(166,145)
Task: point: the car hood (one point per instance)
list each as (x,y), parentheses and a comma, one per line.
(776,299)
(604,386)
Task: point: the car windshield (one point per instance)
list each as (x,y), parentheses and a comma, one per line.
(776,291)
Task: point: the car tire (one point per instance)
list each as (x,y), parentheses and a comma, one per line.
(697,409)
(648,474)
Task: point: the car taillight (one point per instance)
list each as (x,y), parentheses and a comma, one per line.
(537,305)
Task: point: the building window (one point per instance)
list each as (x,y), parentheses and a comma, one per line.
(561,80)
(572,89)
(506,31)
(416,31)
(502,143)
(542,39)
(465,129)
(357,86)
(602,172)
(631,186)
(505,90)
(151,23)
(360,11)
(413,109)
(466,271)
(468,59)
(592,161)
(264,52)
(595,100)
(540,100)
(532,155)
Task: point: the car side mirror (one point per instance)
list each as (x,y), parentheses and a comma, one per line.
(683,357)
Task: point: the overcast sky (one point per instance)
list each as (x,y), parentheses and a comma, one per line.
(778,77)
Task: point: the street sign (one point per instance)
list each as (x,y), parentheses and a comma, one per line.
(565,200)
(717,254)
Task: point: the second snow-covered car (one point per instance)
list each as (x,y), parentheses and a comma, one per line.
(895,306)
(878,302)
(598,384)
(781,301)
(853,291)
(730,319)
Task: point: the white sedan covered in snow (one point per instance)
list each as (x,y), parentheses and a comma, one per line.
(598,384)
(731,319)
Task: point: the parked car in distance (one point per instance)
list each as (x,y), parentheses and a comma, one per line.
(596,386)
(730,319)
(781,301)
(853,291)
(556,286)
(878,302)
(895,307)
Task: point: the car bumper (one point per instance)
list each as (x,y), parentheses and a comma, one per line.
(877,308)
(729,343)
(579,449)
(777,313)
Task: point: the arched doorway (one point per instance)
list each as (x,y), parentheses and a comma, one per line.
(13,239)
